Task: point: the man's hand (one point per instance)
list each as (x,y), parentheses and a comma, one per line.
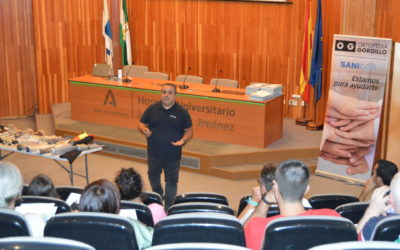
(146,131)
(181,142)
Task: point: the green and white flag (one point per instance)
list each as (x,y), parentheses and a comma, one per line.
(124,34)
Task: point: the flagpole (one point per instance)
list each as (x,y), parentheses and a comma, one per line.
(314,125)
(302,120)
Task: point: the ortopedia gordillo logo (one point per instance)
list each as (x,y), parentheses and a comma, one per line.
(343,45)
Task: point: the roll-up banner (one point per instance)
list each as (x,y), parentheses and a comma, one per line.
(359,71)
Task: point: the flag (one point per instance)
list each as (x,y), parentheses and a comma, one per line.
(316,61)
(125,35)
(107,35)
(306,59)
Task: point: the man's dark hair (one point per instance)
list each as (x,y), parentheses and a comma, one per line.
(171,85)
(129,183)
(292,177)
(100,196)
(268,175)
(41,185)
(386,170)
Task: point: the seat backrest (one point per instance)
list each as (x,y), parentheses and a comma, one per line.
(387,229)
(196,207)
(62,206)
(151,197)
(13,223)
(155,75)
(65,191)
(303,232)
(142,211)
(224,82)
(201,197)
(243,203)
(197,246)
(358,245)
(331,200)
(189,78)
(101,70)
(199,227)
(42,243)
(101,230)
(134,70)
(353,211)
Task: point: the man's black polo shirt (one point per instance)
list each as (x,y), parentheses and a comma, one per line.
(166,126)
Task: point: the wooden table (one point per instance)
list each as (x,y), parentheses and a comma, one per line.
(229,116)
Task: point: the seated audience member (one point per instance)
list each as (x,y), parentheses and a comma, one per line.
(10,184)
(10,189)
(130,186)
(288,189)
(383,199)
(103,196)
(382,174)
(41,185)
(265,185)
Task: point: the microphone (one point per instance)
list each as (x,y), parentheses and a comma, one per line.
(125,79)
(216,89)
(184,86)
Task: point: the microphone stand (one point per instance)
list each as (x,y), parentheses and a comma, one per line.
(216,90)
(125,79)
(184,86)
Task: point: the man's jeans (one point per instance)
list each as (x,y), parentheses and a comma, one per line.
(171,177)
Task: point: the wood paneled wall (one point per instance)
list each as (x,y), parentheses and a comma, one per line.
(68,41)
(17,70)
(247,41)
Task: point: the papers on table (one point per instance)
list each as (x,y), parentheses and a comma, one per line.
(254,89)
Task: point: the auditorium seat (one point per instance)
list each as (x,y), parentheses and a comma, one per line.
(151,197)
(331,200)
(242,203)
(134,70)
(303,232)
(65,191)
(189,78)
(101,230)
(353,211)
(142,211)
(387,229)
(199,227)
(13,223)
(196,207)
(101,70)
(155,75)
(358,245)
(196,246)
(62,206)
(42,243)
(201,197)
(224,82)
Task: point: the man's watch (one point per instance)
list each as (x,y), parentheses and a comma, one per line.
(267,202)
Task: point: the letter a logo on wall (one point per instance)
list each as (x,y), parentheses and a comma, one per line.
(110,99)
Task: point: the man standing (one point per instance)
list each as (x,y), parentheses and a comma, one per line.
(167,126)
(288,189)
